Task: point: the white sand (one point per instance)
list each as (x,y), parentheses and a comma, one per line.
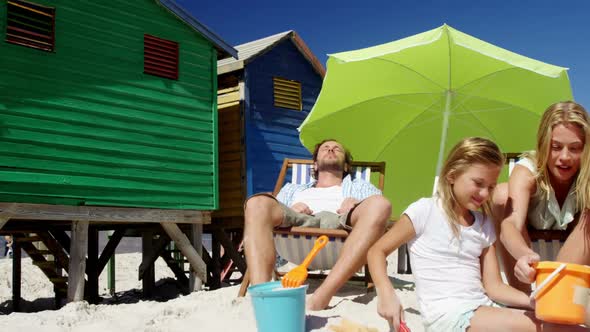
(218,310)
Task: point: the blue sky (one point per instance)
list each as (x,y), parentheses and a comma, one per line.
(556,32)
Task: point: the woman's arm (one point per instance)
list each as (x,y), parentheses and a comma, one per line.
(520,188)
(388,305)
(496,289)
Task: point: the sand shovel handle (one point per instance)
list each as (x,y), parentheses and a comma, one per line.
(547,280)
(317,246)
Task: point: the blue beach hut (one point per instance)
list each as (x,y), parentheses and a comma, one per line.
(263,97)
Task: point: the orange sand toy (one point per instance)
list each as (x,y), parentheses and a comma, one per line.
(564,299)
(297,276)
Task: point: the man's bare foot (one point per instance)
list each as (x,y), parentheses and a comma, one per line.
(314,303)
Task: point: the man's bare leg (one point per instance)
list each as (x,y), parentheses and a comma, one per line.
(368,221)
(261,215)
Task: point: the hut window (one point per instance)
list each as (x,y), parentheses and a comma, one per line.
(160,57)
(29,24)
(287,93)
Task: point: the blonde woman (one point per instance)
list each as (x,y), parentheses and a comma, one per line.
(549,188)
(452,247)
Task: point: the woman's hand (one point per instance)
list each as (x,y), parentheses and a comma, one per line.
(390,308)
(301,208)
(523,269)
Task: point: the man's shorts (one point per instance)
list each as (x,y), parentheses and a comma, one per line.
(323,219)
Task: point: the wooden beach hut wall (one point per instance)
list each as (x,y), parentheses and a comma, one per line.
(108,113)
(264,95)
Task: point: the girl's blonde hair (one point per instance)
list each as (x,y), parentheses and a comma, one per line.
(566,113)
(469,151)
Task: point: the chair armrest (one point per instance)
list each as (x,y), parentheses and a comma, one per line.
(312,231)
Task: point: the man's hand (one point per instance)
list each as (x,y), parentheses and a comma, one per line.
(390,308)
(346,205)
(523,269)
(301,208)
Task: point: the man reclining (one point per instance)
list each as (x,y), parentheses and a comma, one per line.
(331,200)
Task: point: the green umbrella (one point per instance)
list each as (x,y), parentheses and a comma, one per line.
(409,101)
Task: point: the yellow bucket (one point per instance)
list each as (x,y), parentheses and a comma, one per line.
(563,300)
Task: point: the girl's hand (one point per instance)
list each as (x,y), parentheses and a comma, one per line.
(532,304)
(390,308)
(523,269)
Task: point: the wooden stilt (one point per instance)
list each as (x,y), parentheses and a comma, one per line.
(196,262)
(215,282)
(148,280)
(62,238)
(196,233)
(230,249)
(108,252)
(16,274)
(148,259)
(178,272)
(92,266)
(77,268)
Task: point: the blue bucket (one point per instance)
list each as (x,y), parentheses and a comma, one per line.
(277,308)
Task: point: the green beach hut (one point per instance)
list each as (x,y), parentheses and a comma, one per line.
(108,116)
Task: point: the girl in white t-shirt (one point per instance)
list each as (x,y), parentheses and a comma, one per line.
(451,242)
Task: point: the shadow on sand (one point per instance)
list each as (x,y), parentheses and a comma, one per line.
(164,290)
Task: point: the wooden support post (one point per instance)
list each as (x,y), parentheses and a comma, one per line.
(230,249)
(148,259)
(196,262)
(92,265)
(62,238)
(16,274)
(178,272)
(196,235)
(58,253)
(148,281)
(108,252)
(59,293)
(78,248)
(111,278)
(215,282)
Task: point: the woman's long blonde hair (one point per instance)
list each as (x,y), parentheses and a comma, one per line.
(566,113)
(469,151)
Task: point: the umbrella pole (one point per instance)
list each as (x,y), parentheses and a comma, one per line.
(443,138)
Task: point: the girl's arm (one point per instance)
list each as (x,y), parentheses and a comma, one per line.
(520,187)
(388,304)
(496,289)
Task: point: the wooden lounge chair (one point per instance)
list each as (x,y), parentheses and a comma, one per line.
(294,243)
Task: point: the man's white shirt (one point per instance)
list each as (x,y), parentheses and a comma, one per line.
(320,199)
